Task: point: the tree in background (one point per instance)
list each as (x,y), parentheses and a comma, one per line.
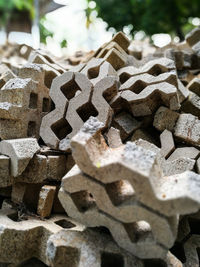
(151,16)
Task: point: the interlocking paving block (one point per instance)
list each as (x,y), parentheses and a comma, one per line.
(38,58)
(90,102)
(97,69)
(135,163)
(118,200)
(165,119)
(20,152)
(24,101)
(103,92)
(126,124)
(138,82)
(127,236)
(54,126)
(45,201)
(153,67)
(187,128)
(68,248)
(150,98)
(22,240)
(56,240)
(114,51)
(167,143)
(121,39)
(113,137)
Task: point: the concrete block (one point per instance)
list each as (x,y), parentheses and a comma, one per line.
(126,124)
(165,119)
(20,152)
(187,128)
(45,201)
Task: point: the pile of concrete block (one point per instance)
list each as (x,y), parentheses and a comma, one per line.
(100,157)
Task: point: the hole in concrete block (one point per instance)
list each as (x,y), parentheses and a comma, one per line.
(45,104)
(31,131)
(138,231)
(93,72)
(119,191)
(83,200)
(178,251)
(86,111)
(49,76)
(65,224)
(2,83)
(194,226)
(69,89)
(33,100)
(111,259)
(61,128)
(138,87)
(198,253)
(102,230)
(33,262)
(14,217)
(52,105)
(154,263)
(157,70)
(124,77)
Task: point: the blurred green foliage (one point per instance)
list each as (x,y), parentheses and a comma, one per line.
(44,32)
(151,16)
(8,7)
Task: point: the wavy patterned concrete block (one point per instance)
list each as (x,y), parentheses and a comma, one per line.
(143,89)
(153,67)
(58,241)
(118,200)
(150,98)
(97,69)
(24,101)
(114,51)
(135,238)
(86,249)
(139,166)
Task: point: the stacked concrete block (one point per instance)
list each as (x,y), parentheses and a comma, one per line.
(75,100)
(58,241)
(24,100)
(114,51)
(108,185)
(114,143)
